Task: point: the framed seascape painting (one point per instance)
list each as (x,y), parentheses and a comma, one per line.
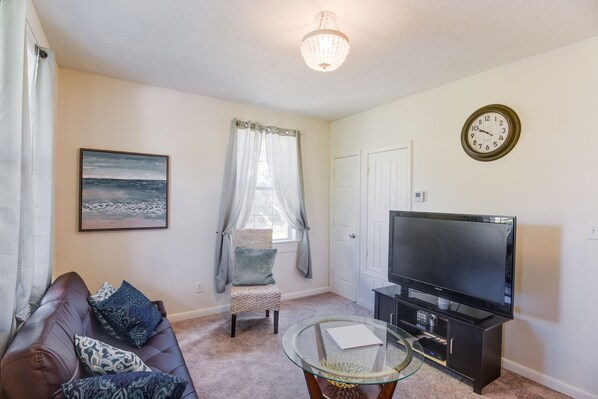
(122,190)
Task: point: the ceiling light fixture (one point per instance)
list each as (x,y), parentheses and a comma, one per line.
(326,48)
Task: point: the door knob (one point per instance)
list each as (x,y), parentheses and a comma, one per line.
(351,235)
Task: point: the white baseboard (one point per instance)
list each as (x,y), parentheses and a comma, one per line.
(225,308)
(198,313)
(545,380)
(301,294)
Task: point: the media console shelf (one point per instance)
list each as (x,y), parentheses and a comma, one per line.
(466,340)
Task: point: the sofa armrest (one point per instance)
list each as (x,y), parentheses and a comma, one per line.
(161,308)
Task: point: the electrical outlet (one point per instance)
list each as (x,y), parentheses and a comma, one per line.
(592,233)
(199,288)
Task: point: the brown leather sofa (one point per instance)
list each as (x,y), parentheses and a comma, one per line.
(42,355)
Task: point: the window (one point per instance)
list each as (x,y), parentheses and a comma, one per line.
(266,212)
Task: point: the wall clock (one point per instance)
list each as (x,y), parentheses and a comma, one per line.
(490,132)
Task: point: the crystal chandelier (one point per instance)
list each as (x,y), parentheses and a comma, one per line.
(326,48)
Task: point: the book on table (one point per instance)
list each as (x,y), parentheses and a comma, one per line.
(353,336)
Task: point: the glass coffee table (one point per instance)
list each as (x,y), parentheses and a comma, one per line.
(375,356)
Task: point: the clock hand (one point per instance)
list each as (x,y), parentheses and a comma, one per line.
(483,131)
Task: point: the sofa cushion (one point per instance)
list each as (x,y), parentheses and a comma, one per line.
(131,314)
(254,266)
(43,351)
(138,385)
(99,358)
(161,351)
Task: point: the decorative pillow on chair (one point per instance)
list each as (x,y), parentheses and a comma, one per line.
(138,385)
(105,291)
(131,314)
(254,266)
(99,358)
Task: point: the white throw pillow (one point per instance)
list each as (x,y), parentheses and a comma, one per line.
(99,358)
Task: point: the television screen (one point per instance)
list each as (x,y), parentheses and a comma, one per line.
(465,258)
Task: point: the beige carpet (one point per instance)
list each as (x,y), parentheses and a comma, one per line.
(253,364)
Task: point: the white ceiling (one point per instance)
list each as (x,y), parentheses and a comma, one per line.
(248,50)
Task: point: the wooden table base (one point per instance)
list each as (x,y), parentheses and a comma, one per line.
(320,388)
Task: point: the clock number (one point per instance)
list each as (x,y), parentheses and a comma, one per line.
(500,137)
(495,144)
(480,146)
(487,147)
(475,142)
(479,121)
(475,128)
(501,123)
(503,130)
(487,118)
(472,135)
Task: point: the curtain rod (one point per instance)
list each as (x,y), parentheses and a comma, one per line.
(42,53)
(266,129)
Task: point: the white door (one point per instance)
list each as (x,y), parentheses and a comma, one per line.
(388,187)
(344,254)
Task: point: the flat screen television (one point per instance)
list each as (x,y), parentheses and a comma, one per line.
(468,259)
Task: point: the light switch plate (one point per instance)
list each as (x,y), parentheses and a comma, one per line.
(592,233)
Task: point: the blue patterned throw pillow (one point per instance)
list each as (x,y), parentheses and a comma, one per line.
(105,291)
(99,358)
(254,266)
(131,314)
(137,385)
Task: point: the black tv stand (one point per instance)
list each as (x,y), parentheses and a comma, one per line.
(456,310)
(466,341)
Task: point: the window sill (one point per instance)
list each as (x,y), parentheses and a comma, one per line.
(286,246)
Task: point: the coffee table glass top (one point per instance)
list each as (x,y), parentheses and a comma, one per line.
(311,346)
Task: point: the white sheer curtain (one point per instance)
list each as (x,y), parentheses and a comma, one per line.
(26,136)
(284,158)
(238,188)
(42,132)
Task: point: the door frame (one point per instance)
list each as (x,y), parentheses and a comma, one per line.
(358,222)
(406,145)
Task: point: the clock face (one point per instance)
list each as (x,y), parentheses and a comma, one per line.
(490,132)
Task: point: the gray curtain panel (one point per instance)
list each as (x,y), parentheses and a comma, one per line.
(238,187)
(284,157)
(25,173)
(12,130)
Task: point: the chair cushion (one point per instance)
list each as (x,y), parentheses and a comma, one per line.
(249,298)
(254,266)
(140,384)
(99,358)
(131,314)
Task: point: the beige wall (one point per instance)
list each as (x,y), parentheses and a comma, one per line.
(103,113)
(548,181)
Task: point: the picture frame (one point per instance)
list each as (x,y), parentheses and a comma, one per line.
(121,190)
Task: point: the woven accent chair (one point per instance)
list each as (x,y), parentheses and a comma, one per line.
(253,297)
